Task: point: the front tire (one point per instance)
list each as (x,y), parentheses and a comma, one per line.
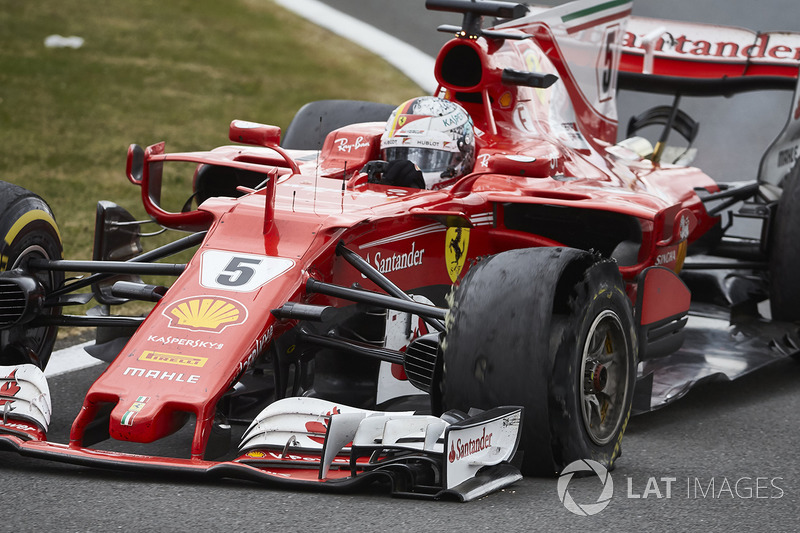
(28,230)
(552,330)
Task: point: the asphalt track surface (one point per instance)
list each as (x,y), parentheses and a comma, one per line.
(722,458)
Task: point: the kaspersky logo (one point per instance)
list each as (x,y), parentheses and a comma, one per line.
(585,509)
(212,314)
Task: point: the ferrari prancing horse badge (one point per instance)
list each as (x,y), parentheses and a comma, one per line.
(456,243)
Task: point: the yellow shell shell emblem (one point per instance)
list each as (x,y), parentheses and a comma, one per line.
(256,454)
(205,314)
(455,251)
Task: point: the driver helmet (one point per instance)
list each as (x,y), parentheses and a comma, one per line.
(434,134)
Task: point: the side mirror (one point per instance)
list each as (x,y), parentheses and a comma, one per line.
(135,165)
(116,238)
(245,132)
(543,166)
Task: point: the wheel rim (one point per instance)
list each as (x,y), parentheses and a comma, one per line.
(604,377)
(28,343)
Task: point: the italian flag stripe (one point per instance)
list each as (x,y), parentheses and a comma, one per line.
(596,15)
(127,418)
(589,11)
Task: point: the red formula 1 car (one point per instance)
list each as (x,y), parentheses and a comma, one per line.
(346,327)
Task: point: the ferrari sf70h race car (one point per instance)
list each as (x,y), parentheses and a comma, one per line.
(334,327)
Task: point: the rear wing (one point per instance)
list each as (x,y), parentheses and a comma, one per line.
(665,56)
(690,59)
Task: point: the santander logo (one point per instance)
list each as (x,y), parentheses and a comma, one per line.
(459,450)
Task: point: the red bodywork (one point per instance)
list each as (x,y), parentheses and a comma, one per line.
(301,216)
(262,248)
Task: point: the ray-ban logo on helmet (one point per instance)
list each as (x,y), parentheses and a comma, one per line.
(585,509)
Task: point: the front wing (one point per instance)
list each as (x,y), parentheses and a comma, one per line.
(304,443)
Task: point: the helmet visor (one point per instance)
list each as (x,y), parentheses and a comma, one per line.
(427,159)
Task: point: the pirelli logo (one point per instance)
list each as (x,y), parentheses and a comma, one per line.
(173,359)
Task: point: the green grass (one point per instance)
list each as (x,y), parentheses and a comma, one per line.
(149,71)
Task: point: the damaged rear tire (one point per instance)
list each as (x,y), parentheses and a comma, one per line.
(784,256)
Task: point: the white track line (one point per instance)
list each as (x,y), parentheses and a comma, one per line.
(415,64)
(70,359)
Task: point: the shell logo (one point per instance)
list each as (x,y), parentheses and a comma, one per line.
(256,454)
(212,313)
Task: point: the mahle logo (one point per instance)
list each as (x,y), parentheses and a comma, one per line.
(585,509)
